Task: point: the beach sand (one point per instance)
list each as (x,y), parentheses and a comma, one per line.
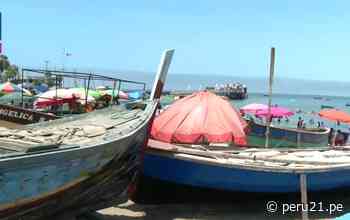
(188,211)
(131,211)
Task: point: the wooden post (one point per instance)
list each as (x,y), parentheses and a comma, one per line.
(268,119)
(298,138)
(303,190)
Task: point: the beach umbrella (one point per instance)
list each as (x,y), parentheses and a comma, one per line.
(53,97)
(276,112)
(9,87)
(122,95)
(81,92)
(335,115)
(41,88)
(60,96)
(200,118)
(253,108)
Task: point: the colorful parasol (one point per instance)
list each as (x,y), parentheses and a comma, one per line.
(81,92)
(253,108)
(122,95)
(200,118)
(9,87)
(335,115)
(276,112)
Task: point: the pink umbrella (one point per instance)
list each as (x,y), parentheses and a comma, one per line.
(276,112)
(253,108)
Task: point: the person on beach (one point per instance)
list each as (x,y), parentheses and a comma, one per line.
(330,137)
(339,138)
(300,123)
(318,124)
(311,121)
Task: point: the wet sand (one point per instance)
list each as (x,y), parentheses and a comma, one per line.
(8,124)
(205,211)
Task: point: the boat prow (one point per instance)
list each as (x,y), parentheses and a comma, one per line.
(80,163)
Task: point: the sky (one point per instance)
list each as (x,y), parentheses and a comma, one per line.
(210,37)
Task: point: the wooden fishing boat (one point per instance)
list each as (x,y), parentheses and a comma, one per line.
(238,168)
(248,170)
(21,115)
(287,137)
(79,163)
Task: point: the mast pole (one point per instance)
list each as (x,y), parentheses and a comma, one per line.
(269,118)
(0,33)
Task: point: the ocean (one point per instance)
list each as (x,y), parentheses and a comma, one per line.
(307,105)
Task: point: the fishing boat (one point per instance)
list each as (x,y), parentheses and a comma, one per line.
(75,164)
(209,151)
(214,155)
(287,137)
(248,170)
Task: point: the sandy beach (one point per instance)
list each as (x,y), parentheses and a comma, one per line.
(187,211)
(131,211)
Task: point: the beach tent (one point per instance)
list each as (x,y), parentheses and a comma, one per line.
(200,118)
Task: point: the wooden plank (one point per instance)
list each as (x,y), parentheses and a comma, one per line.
(303,191)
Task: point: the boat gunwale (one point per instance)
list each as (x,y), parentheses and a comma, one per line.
(216,161)
(301,131)
(150,108)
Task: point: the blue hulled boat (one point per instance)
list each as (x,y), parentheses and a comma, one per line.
(287,137)
(249,170)
(75,164)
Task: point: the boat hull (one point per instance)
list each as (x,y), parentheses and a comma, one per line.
(283,137)
(74,180)
(200,174)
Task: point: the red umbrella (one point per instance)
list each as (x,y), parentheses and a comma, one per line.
(200,117)
(335,115)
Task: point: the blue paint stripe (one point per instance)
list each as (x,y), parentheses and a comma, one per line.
(233,179)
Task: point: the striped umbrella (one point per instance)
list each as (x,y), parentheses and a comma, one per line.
(9,87)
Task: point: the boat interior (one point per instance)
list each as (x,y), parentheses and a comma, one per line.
(292,160)
(72,132)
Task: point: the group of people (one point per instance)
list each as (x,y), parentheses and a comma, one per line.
(302,124)
(336,138)
(236,87)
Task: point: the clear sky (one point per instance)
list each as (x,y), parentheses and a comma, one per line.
(312,38)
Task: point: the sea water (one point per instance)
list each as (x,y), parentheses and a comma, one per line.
(304,106)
